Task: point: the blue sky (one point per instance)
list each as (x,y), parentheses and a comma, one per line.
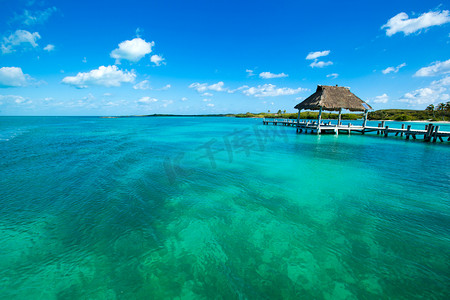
(190,57)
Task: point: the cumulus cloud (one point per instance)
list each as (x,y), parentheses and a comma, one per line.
(210,105)
(381,99)
(49,47)
(30,18)
(184,99)
(19,38)
(203,87)
(146,100)
(106,76)
(268,75)
(436,92)
(393,69)
(132,50)
(157,60)
(316,63)
(207,94)
(423,96)
(269,90)
(143,85)
(334,75)
(320,64)
(13,77)
(317,54)
(436,68)
(402,23)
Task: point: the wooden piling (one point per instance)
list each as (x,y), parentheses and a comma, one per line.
(435,133)
(427,135)
(408,129)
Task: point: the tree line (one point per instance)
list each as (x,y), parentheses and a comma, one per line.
(442,109)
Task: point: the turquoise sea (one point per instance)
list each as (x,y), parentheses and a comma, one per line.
(218,208)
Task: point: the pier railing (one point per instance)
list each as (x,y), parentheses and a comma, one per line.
(431,133)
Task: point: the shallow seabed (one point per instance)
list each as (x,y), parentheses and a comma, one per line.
(200,208)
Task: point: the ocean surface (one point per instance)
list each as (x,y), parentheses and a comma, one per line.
(218,208)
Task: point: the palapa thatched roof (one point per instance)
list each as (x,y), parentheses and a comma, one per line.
(333,98)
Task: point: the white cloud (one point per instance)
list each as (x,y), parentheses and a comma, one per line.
(218,87)
(334,75)
(250,73)
(184,99)
(393,69)
(106,76)
(423,96)
(143,85)
(402,23)
(381,99)
(441,82)
(49,47)
(436,68)
(157,60)
(316,63)
(320,64)
(16,99)
(207,94)
(84,60)
(203,87)
(269,90)
(268,75)
(210,104)
(110,103)
(132,50)
(317,54)
(206,100)
(165,88)
(13,77)
(30,18)
(19,38)
(436,92)
(146,100)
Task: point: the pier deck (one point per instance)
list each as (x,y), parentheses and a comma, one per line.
(431,133)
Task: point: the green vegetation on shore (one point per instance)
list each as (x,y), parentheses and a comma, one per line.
(439,113)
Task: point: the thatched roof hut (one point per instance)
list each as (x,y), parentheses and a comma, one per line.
(333,98)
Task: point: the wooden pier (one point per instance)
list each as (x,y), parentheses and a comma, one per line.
(431,133)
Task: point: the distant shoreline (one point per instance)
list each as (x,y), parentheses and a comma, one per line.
(397,115)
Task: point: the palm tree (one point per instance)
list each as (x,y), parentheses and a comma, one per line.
(430,108)
(441,108)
